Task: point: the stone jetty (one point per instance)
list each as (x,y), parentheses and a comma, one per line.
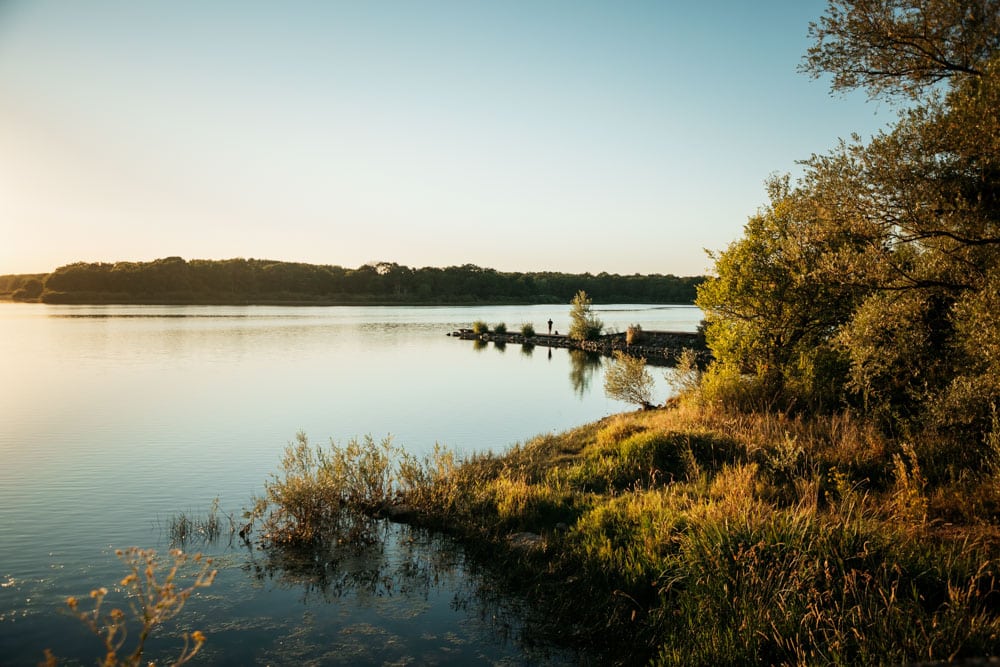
(658,347)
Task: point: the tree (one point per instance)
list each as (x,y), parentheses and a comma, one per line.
(766,314)
(628,380)
(584,325)
(903,46)
(924,202)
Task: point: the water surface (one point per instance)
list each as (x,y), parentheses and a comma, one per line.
(115,418)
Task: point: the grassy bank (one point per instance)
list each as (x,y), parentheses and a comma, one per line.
(689,536)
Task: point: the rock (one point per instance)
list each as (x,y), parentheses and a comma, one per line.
(526,541)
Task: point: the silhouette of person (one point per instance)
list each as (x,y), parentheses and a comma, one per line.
(550,326)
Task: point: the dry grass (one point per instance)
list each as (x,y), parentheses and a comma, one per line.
(709,537)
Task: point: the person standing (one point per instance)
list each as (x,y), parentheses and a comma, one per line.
(550,326)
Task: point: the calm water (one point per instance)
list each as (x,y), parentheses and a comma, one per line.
(115,418)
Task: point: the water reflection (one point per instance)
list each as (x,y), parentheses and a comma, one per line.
(500,345)
(583,366)
(527,349)
(394,573)
(479,344)
(382,560)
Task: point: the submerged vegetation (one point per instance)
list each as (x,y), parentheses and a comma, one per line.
(239,281)
(185,527)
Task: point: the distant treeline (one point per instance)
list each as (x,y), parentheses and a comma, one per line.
(231,281)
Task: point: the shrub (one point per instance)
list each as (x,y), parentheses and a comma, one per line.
(480,327)
(725,387)
(628,380)
(633,334)
(500,328)
(528,330)
(584,325)
(686,375)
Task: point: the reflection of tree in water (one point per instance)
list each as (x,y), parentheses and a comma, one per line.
(527,349)
(479,344)
(583,365)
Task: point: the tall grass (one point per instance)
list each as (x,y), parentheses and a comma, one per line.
(185,527)
(695,535)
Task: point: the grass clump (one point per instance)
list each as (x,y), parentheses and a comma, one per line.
(186,527)
(480,327)
(528,330)
(500,328)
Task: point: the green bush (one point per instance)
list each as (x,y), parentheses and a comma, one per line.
(584,325)
(528,330)
(500,328)
(480,327)
(628,380)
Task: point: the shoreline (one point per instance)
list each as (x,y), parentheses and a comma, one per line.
(678,536)
(6,298)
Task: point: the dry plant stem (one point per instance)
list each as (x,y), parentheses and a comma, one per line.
(153,600)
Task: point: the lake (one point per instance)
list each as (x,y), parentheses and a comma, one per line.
(115,419)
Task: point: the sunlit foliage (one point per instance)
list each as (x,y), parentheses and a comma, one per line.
(871,282)
(584,324)
(627,379)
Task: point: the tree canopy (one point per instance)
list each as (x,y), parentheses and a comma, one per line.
(873,281)
(175,280)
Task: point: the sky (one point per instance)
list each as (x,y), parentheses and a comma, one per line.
(576,136)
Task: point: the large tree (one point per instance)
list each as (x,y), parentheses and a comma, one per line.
(767,315)
(892,254)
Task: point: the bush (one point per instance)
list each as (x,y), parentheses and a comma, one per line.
(528,330)
(628,380)
(480,327)
(725,387)
(633,334)
(500,328)
(584,325)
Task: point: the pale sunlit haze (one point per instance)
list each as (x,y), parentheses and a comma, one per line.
(570,136)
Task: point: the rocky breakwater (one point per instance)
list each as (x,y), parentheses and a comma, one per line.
(658,347)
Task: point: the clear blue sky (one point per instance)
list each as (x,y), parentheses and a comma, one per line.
(570,136)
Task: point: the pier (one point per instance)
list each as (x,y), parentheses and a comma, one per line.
(657,347)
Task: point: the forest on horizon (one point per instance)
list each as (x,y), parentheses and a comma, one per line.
(174,280)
